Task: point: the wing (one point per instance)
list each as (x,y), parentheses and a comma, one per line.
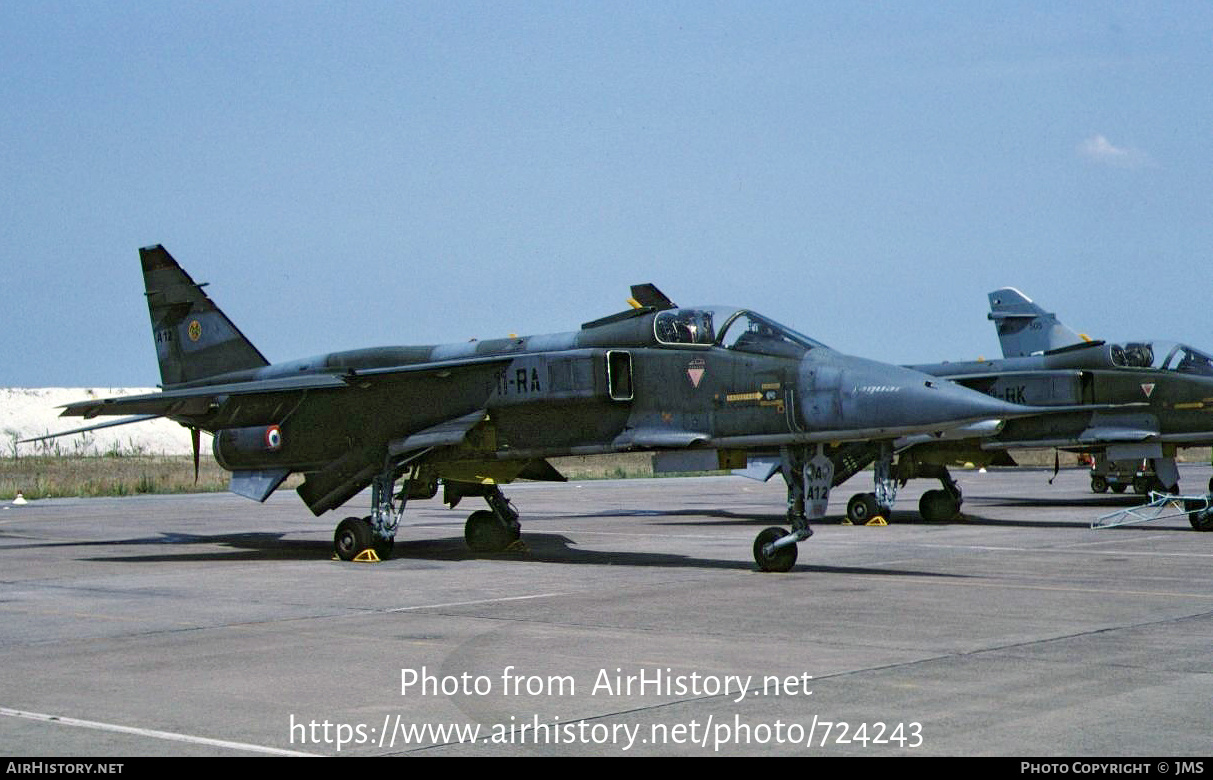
(200,406)
(340,430)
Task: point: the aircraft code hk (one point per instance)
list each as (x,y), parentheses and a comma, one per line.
(1012,395)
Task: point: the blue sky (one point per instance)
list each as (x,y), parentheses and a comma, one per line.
(348,175)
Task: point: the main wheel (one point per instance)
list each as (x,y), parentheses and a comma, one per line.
(938,506)
(1099,484)
(484,533)
(1141,485)
(1119,487)
(862,507)
(1200,517)
(782,559)
(353,535)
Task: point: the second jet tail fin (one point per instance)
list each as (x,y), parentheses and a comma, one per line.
(1026,329)
(194,339)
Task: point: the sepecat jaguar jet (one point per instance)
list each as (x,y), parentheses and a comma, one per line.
(1134,403)
(708,385)
(1172,381)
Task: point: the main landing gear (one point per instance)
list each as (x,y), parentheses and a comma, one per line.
(486,531)
(357,537)
(808,474)
(494,529)
(863,507)
(943,505)
(1200,515)
(1147,475)
(935,506)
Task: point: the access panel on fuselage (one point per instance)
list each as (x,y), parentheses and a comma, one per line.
(555,402)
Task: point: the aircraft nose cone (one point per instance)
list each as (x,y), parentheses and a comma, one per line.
(891,400)
(930,400)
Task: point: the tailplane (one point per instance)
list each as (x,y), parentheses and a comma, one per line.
(194,339)
(1026,329)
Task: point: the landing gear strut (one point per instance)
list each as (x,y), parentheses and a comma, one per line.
(809,474)
(864,506)
(376,531)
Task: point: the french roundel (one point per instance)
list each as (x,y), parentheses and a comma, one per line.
(273,438)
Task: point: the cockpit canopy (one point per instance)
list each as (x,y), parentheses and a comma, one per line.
(735,329)
(1162,356)
(684,327)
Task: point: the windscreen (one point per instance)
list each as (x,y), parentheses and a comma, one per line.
(1162,356)
(750,332)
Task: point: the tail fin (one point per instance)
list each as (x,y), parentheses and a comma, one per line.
(1026,329)
(194,339)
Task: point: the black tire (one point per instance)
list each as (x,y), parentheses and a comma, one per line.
(353,535)
(780,560)
(862,507)
(484,533)
(1118,487)
(384,548)
(1099,484)
(1199,517)
(1141,485)
(938,506)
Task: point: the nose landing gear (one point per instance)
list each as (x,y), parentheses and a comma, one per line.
(809,474)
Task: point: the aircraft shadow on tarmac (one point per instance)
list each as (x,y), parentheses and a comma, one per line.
(1076,524)
(711,515)
(252,546)
(559,549)
(1094,506)
(1089,502)
(711,518)
(539,548)
(708,518)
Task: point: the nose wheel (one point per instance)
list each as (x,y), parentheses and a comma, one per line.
(772,558)
(809,474)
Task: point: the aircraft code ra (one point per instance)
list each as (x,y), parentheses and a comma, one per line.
(518,381)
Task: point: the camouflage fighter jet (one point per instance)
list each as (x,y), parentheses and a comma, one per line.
(710,384)
(1174,379)
(1152,397)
